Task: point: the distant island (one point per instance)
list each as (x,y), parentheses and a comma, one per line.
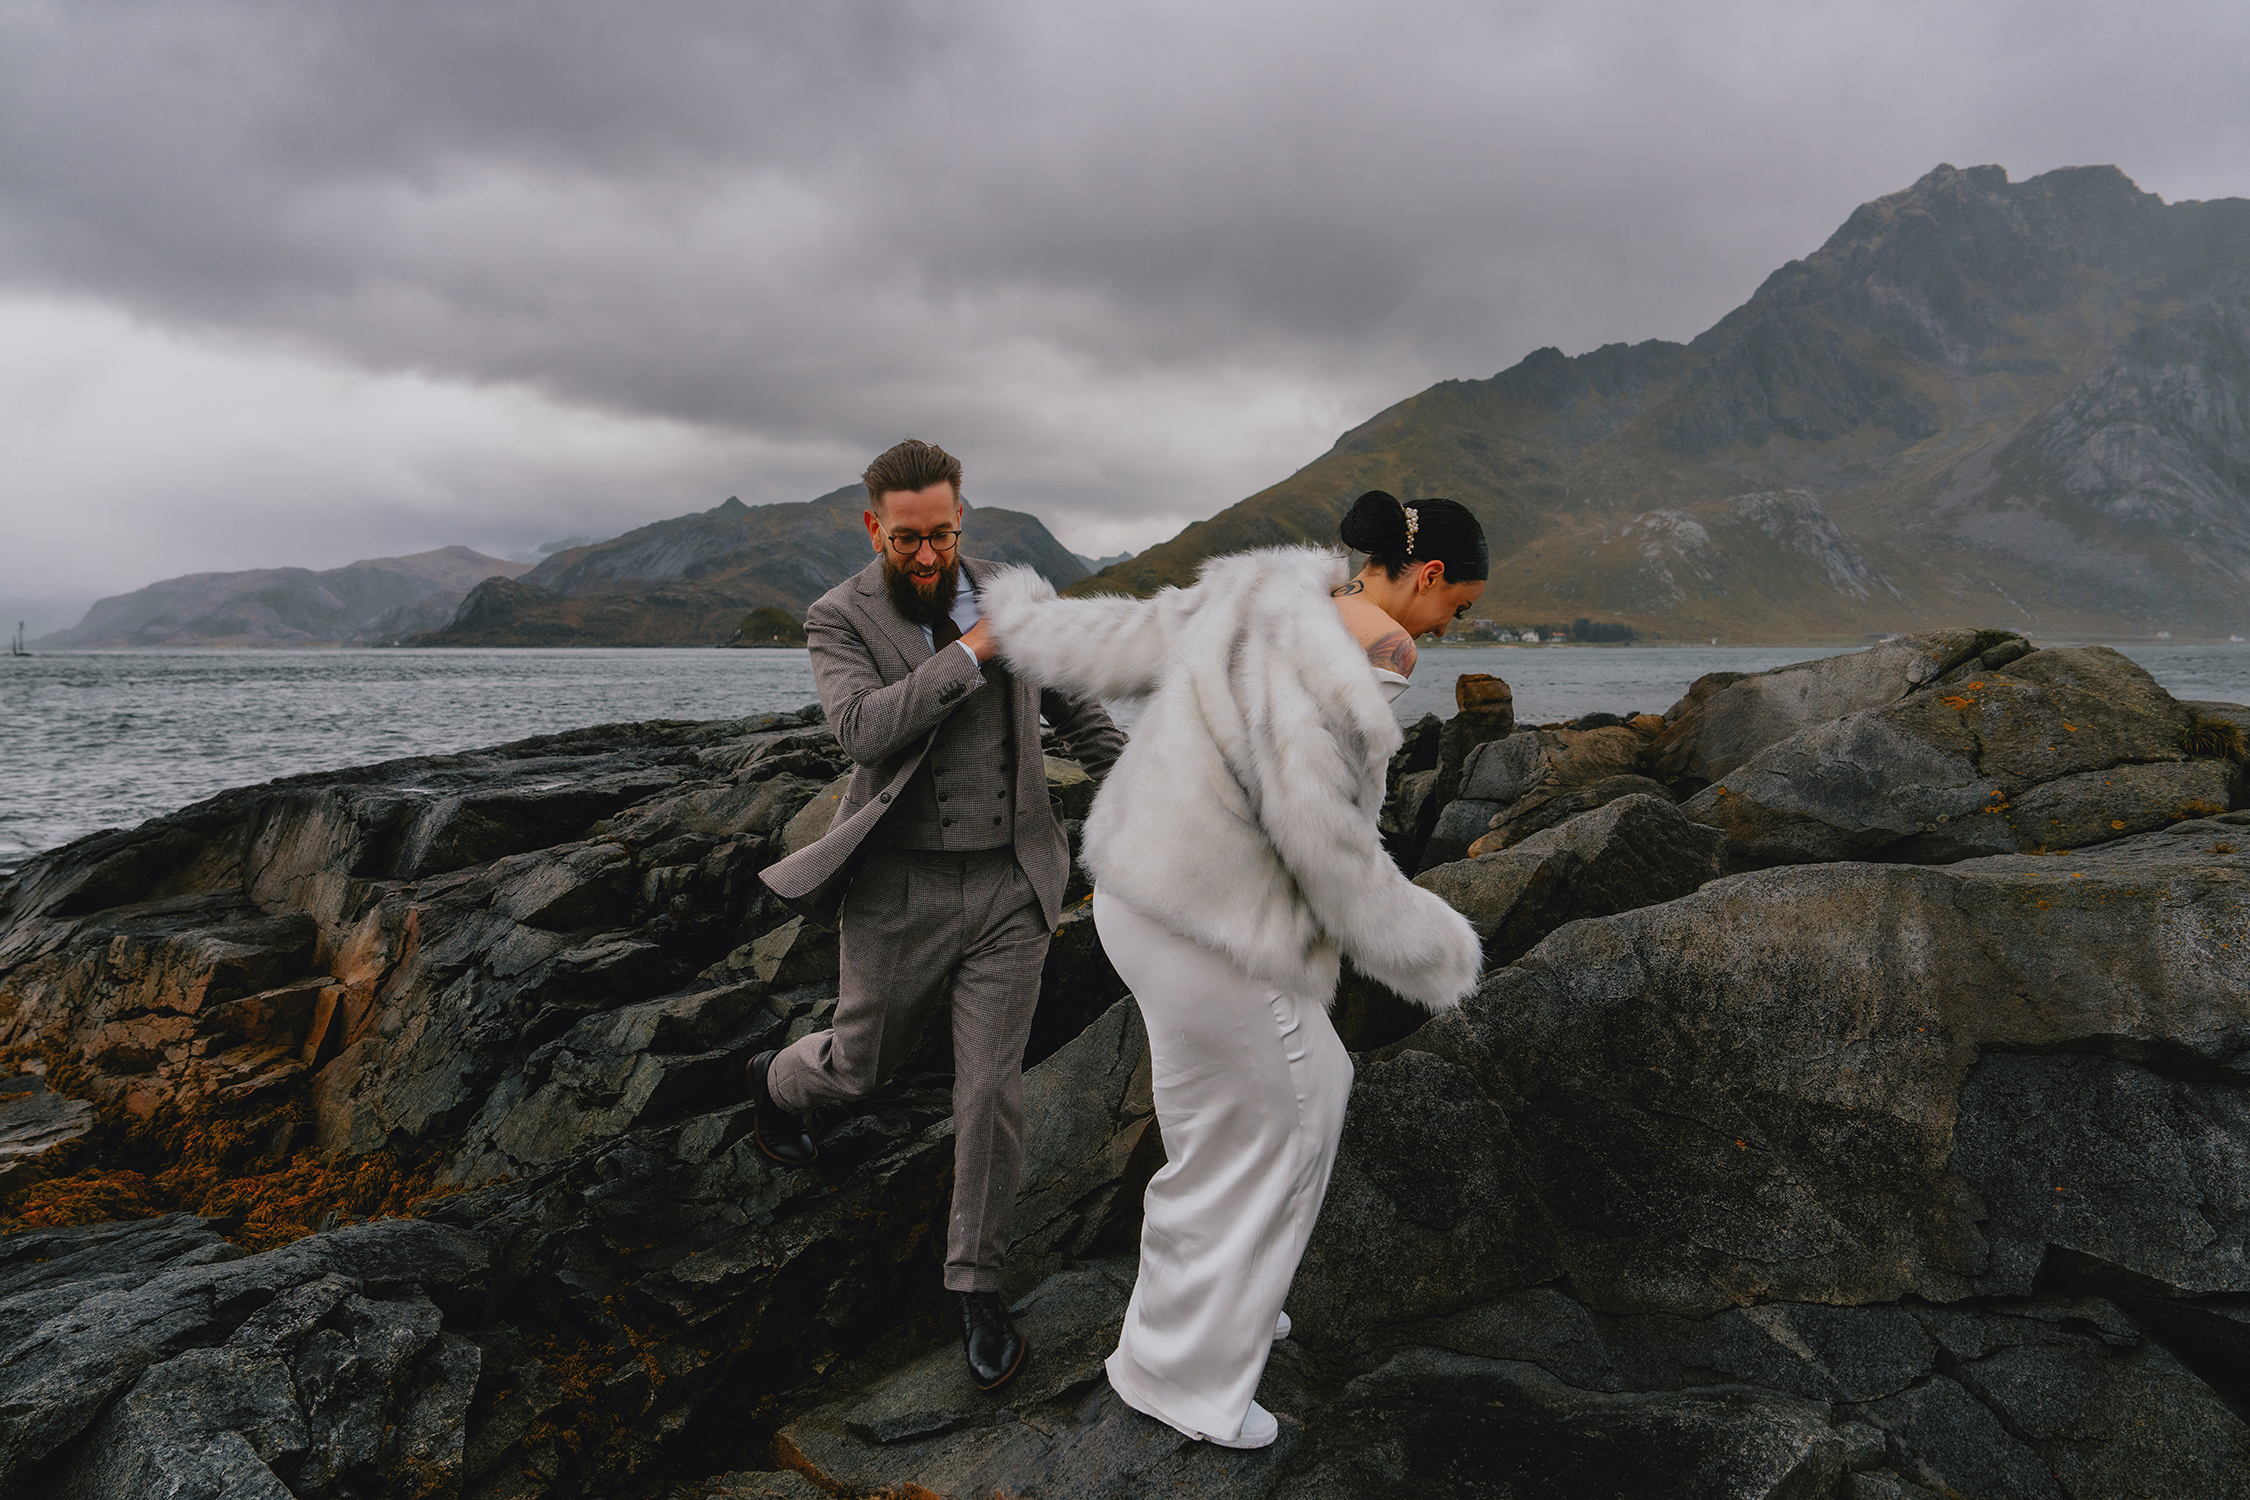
(1979,401)
(362,603)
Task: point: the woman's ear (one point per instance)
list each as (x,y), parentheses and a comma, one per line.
(1432,574)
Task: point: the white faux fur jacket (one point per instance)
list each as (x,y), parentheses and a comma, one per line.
(1242,813)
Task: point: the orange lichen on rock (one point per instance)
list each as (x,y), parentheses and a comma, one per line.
(314,1191)
(578,1370)
(230,1163)
(263,1209)
(89,1197)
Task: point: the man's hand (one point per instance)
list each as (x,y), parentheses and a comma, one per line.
(978,638)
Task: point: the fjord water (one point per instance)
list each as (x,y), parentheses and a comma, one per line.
(104,739)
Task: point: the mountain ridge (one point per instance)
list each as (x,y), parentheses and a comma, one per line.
(1983,399)
(690,580)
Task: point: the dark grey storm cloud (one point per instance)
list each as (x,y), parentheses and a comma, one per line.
(522,269)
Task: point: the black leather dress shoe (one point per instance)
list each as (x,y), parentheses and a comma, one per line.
(779,1134)
(989,1338)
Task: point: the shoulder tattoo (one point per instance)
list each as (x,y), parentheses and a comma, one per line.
(1394,652)
(1354,587)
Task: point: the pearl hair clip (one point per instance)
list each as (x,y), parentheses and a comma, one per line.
(1413,524)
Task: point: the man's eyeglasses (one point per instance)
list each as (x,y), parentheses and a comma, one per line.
(907,543)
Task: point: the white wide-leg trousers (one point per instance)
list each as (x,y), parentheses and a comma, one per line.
(1250,1092)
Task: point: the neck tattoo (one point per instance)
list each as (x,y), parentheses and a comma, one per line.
(1354,587)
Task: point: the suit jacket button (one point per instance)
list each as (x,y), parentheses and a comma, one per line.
(945,823)
(941,796)
(996,818)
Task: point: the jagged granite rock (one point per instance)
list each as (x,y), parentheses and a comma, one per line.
(541,967)
(1801,1084)
(1514,787)
(1505,769)
(1092,1144)
(1726,718)
(1432,1422)
(1638,851)
(370,944)
(1494,774)
(1551,807)
(1484,710)
(318,1355)
(2060,1397)
(2064,748)
(1410,805)
(40,1131)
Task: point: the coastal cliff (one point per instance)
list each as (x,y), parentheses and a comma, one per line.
(1855,1105)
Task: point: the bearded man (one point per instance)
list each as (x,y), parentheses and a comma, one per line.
(944,867)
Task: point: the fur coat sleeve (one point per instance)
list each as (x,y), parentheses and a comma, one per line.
(1242,812)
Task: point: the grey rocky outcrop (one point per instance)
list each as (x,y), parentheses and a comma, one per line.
(1634,852)
(2061,749)
(1791,1084)
(535,971)
(1514,787)
(1828,1179)
(1728,717)
(40,1130)
(157,1356)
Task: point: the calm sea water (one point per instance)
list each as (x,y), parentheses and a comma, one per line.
(104,739)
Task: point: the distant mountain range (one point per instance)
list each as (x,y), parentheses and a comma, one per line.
(362,602)
(690,581)
(1980,402)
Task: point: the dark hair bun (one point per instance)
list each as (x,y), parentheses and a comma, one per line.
(1443,531)
(1376,525)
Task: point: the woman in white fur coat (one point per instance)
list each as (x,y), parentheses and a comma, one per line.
(1236,860)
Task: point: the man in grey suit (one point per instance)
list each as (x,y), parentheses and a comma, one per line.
(944,867)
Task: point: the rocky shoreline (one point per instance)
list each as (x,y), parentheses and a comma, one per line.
(1855,1105)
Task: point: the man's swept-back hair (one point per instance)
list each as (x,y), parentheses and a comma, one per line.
(912,465)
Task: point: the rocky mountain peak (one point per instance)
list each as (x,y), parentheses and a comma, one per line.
(2033,395)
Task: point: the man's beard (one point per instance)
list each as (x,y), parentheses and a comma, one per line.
(923,608)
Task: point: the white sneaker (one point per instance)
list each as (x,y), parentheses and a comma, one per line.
(1259,1429)
(1281,1328)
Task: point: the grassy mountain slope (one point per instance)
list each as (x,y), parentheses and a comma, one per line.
(689,581)
(1980,401)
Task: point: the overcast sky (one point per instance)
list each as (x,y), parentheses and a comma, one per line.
(294,284)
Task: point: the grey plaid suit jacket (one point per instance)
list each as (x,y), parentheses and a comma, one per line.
(884,692)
